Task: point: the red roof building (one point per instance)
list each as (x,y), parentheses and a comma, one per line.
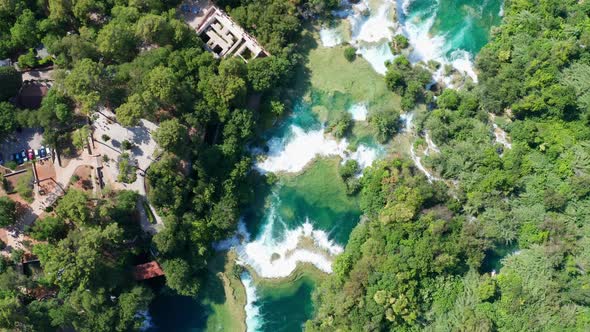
(147,271)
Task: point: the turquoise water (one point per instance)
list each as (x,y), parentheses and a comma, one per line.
(286,310)
(463,24)
(315,194)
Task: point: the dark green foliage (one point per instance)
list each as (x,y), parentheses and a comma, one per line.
(370,290)
(28,60)
(171,135)
(408,81)
(7,119)
(527,204)
(10,83)
(340,126)
(7,211)
(350,53)
(385,124)
(49,229)
(399,43)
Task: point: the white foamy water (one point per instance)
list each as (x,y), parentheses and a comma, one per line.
(430,146)
(364,156)
(371,34)
(418,162)
(294,154)
(330,37)
(426,47)
(377,56)
(407,119)
(303,147)
(358,111)
(377,27)
(253,318)
(276,258)
(501,136)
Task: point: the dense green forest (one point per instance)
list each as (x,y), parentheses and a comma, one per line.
(424,260)
(141,61)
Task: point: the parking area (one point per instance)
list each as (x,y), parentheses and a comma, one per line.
(25,140)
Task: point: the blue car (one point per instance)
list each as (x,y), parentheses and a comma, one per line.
(17,158)
(1,159)
(42,152)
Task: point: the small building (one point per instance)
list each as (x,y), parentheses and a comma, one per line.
(224,37)
(31,95)
(147,271)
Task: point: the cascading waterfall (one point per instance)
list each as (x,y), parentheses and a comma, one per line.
(449,32)
(279,245)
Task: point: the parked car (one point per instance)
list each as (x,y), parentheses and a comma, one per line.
(17,158)
(23,155)
(42,152)
(30,154)
(36,153)
(1,159)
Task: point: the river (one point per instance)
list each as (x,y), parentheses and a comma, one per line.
(306,216)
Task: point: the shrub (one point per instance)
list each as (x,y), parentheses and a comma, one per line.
(105,137)
(341,126)
(28,60)
(399,43)
(349,169)
(350,53)
(126,145)
(127,172)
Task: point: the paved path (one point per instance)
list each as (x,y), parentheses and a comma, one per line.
(143,151)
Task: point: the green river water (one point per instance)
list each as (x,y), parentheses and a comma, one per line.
(309,199)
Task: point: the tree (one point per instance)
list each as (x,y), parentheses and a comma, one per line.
(10,82)
(350,53)
(80,137)
(179,277)
(73,207)
(84,84)
(171,135)
(399,43)
(449,99)
(117,42)
(7,211)
(49,229)
(154,29)
(8,122)
(385,124)
(340,126)
(81,259)
(133,110)
(25,33)
(265,73)
(28,60)
(163,85)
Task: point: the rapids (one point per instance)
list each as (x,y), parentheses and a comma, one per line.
(306,216)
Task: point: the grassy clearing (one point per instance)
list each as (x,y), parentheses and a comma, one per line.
(323,186)
(331,72)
